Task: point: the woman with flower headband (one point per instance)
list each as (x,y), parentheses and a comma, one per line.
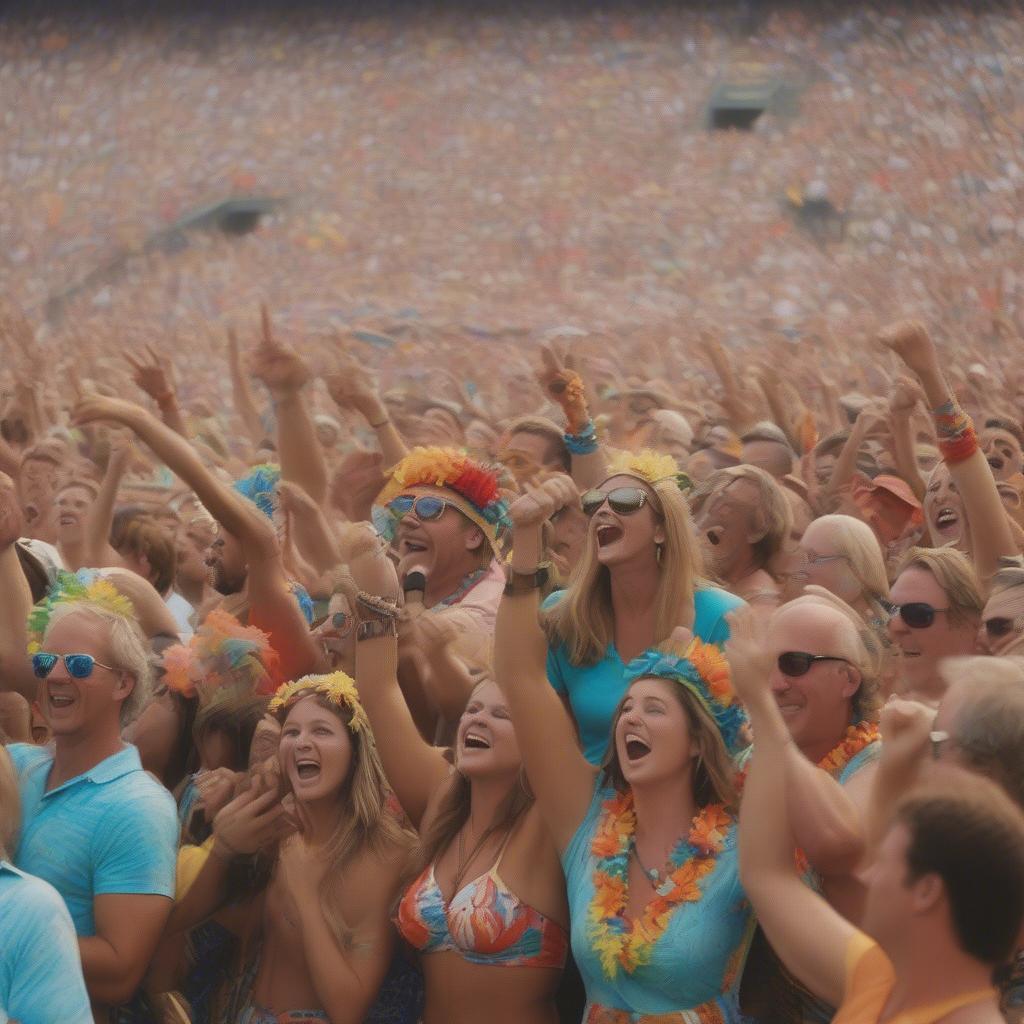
(318,937)
(660,926)
(638,579)
(486,911)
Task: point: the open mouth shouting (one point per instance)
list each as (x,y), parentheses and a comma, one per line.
(636,748)
(307,769)
(608,533)
(474,740)
(947,523)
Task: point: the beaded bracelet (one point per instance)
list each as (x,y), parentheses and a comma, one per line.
(378,605)
(584,442)
(959,448)
(950,420)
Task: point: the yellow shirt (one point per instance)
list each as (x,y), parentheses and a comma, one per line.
(870,977)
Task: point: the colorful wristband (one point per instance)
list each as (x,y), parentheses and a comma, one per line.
(584,442)
(959,448)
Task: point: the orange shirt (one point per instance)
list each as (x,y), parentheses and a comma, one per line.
(870,977)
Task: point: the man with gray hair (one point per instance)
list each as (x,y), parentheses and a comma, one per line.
(95,826)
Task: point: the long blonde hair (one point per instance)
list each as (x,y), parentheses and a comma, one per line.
(857,541)
(583,621)
(365,822)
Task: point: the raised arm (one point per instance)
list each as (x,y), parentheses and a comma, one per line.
(902,403)
(273,607)
(97,551)
(559,774)
(991,537)
(285,374)
(413,767)
(352,387)
(846,463)
(312,534)
(156,379)
(245,404)
(15,668)
(807,934)
(563,385)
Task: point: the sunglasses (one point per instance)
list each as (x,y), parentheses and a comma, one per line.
(79,666)
(999,627)
(917,614)
(623,501)
(798,663)
(427,508)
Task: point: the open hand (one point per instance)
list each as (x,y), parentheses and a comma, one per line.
(152,374)
(747,653)
(281,368)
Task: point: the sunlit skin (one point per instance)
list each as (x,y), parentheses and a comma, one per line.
(1005,607)
(568,539)
(1003,452)
(922,649)
(824,565)
(890,897)
(336,634)
(72,504)
(944,511)
(652,735)
(73,706)
(816,705)
(485,741)
(226,561)
(315,751)
(621,538)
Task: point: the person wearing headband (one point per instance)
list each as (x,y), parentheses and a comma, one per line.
(639,578)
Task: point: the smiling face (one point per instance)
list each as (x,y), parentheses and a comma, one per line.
(816,706)
(315,750)
(624,539)
(449,546)
(923,649)
(944,511)
(652,735)
(485,742)
(1002,450)
(72,504)
(336,634)
(74,707)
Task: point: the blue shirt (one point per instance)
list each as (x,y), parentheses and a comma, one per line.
(594,691)
(111,830)
(40,969)
(698,959)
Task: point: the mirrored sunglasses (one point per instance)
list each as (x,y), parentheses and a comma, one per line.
(79,666)
(623,501)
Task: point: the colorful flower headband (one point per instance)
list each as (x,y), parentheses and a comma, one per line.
(85,585)
(454,471)
(259,485)
(338,688)
(704,672)
(222,652)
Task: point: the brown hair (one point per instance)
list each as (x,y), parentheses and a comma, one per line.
(714,777)
(955,573)
(236,716)
(145,538)
(547,429)
(972,836)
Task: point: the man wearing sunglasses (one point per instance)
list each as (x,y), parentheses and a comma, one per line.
(95,826)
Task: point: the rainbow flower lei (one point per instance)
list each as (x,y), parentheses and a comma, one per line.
(620,943)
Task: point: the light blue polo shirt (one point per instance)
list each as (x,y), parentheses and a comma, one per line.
(111,830)
(40,969)
(594,691)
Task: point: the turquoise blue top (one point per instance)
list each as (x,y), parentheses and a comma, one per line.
(111,830)
(40,969)
(699,958)
(594,691)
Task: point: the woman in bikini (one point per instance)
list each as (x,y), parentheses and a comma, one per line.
(486,910)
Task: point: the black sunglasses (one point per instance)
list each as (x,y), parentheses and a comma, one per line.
(917,614)
(79,666)
(798,663)
(999,627)
(623,501)
(426,507)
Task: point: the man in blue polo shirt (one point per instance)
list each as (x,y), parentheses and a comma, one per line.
(95,826)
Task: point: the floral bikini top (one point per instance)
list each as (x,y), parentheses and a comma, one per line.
(485,923)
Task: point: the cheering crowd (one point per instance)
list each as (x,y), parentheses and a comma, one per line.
(636,704)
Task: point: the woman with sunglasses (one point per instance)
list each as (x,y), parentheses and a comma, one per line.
(638,579)
(660,927)
(937,611)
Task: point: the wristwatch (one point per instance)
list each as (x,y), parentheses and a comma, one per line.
(371,629)
(523,582)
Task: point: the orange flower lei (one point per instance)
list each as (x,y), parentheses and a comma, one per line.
(626,945)
(856,739)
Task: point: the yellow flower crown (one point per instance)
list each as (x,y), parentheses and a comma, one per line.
(648,465)
(84,586)
(337,688)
